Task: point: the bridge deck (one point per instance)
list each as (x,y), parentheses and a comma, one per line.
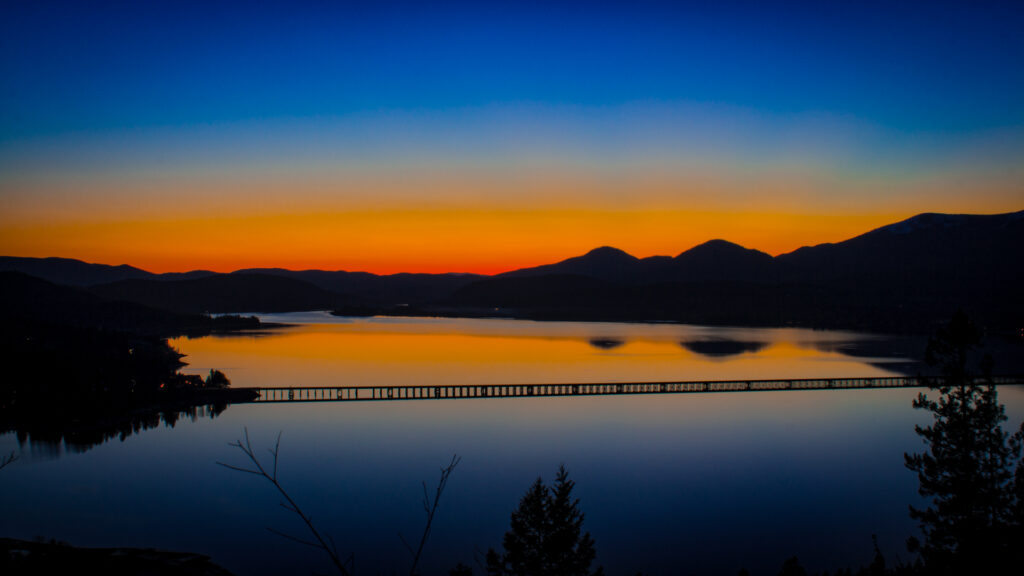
(363,393)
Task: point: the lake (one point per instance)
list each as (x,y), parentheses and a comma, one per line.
(687,483)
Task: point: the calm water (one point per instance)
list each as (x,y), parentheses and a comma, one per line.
(329,351)
(669,484)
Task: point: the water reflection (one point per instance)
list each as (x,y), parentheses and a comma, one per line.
(316,349)
(605,343)
(319,350)
(722,348)
(74,434)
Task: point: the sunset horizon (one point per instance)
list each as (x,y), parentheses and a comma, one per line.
(738,281)
(498,262)
(405,140)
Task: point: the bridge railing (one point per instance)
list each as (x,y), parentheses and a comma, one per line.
(454,391)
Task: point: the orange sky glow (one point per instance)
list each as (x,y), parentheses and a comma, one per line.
(489,144)
(395,214)
(420,241)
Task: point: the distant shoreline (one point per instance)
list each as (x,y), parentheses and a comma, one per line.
(550,315)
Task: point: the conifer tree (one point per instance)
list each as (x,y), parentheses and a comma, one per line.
(967,469)
(568,551)
(545,536)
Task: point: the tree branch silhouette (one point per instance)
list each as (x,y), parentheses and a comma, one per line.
(289,504)
(269,473)
(430,507)
(7,460)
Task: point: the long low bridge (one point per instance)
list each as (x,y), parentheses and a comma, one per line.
(453,391)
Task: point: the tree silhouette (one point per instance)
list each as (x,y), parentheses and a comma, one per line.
(8,460)
(967,469)
(792,567)
(545,537)
(217,379)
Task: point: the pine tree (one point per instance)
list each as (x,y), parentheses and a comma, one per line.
(967,470)
(568,551)
(544,537)
(524,542)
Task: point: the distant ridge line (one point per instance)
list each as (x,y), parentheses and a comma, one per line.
(907,277)
(917,222)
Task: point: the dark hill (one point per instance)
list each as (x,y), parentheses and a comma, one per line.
(223,293)
(605,263)
(361,287)
(565,291)
(717,260)
(928,261)
(928,248)
(25,299)
(190,275)
(71,272)
(907,276)
(80,368)
(366,288)
(712,261)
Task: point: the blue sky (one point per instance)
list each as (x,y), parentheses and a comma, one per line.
(910,66)
(652,126)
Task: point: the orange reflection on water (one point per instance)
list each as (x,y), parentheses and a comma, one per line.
(368,352)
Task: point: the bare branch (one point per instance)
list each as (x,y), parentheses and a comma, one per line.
(8,459)
(292,538)
(288,504)
(478,556)
(277,450)
(334,546)
(238,469)
(406,543)
(431,508)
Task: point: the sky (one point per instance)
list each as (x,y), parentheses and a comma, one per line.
(482,137)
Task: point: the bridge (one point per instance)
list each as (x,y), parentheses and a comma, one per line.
(454,391)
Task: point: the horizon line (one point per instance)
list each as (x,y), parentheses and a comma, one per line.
(504,269)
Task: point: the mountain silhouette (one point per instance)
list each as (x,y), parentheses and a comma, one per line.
(223,293)
(929,249)
(27,299)
(383,290)
(717,260)
(903,276)
(711,261)
(606,263)
(360,287)
(71,272)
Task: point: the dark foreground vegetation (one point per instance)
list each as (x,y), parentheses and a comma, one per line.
(81,369)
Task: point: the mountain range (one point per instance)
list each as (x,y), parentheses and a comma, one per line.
(905,276)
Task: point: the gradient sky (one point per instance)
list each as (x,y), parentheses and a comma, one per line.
(483,136)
